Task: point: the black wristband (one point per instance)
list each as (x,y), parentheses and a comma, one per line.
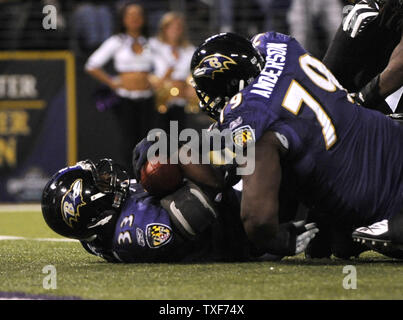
(370,97)
(284,243)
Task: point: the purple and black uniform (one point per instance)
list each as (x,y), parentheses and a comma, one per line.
(143,232)
(347,160)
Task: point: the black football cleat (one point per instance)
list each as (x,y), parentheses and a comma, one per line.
(375,234)
(377,237)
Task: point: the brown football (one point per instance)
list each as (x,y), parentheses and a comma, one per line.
(160,179)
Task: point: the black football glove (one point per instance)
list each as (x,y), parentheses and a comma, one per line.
(370,98)
(292,238)
(357,17)
(141,150)
(140,156)
(304,233)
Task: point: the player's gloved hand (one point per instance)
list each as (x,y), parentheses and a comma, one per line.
(305,233)
(292,238)
(140,151)
(357,17)
(140,156)
(370,98)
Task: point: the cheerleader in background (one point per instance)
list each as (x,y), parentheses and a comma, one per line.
(172,53)
(130,51)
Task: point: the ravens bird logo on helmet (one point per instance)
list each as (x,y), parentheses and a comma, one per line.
(71,203)
(212,64)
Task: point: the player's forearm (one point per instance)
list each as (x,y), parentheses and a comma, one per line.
(199,171)
(283,243)
(391,79)
(260,195)
(204,174)
(373,94)
(259,216)
(260,229)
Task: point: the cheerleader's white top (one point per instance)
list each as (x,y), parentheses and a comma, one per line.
(119,48)
(165,59)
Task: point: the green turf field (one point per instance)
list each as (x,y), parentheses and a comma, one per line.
(82,275)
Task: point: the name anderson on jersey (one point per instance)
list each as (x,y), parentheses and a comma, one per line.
(275,62)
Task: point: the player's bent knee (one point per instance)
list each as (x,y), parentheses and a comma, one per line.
(190,209)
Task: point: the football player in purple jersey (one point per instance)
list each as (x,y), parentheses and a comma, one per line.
(346,161)
(116,219)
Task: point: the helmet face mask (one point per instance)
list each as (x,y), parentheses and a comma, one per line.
(110,178)
(79,198)
(211,106)
(221,66)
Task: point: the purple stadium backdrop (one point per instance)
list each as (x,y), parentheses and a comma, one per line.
(37,121)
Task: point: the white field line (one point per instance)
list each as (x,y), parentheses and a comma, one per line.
(20,207)
(37,239)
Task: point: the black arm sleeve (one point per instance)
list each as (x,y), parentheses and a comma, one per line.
(284,244)
(355,61)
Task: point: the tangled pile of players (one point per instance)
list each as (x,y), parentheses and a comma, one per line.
(328,157)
